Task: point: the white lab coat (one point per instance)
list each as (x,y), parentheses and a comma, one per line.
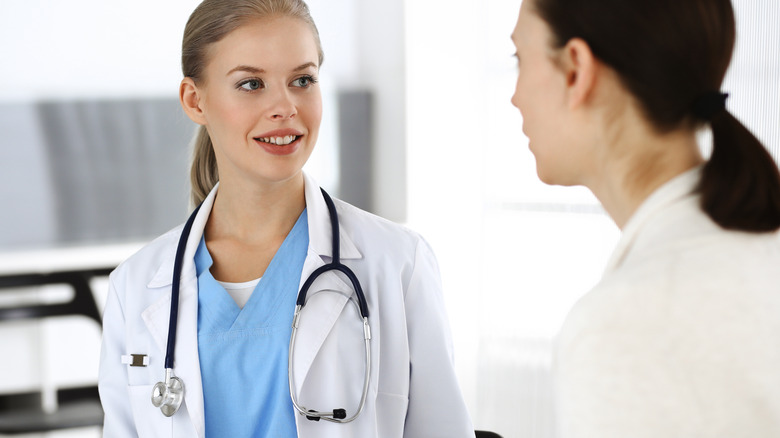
(681,338)
(413,388)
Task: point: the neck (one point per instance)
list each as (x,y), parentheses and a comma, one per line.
(638,164)
(253,213)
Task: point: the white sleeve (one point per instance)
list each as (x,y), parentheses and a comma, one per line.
(436,406)
(112,379)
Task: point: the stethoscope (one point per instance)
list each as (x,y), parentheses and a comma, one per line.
(169,394)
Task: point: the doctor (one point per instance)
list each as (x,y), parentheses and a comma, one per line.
(251,69)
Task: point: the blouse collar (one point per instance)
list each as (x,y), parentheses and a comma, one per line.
(675,189)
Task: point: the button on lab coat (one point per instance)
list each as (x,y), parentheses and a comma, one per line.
(413,390)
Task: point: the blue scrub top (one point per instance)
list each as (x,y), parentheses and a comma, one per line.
(243,352)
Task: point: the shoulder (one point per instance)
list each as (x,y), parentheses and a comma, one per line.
(722,265)
(390,251)
(141,266)
(681,247)
(370,230)
(706,288)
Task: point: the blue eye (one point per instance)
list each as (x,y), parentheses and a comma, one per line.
(251,85)
(304,82)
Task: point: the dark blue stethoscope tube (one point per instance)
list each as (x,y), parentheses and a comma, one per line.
(335,264)
(177,263)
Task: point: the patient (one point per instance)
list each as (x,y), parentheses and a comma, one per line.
(681,338)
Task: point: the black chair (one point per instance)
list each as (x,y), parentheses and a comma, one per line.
(77,407)
(486,434)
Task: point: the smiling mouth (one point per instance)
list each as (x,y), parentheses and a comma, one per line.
(279,141)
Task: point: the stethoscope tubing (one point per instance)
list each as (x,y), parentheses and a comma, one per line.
(169,395)
(331,415)
(335,266)
(337,415)
(335,263)
(177,264)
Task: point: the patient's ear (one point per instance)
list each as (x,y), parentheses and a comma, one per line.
(190,98)
(580,68)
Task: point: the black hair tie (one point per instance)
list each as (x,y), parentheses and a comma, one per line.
(709,104)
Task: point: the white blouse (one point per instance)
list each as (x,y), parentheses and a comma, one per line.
(681,338)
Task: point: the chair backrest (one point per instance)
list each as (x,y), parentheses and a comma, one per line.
(24,413)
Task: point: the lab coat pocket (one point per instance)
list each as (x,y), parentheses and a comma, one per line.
(391,414)
(149,421)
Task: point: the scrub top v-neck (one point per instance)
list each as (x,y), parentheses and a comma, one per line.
(243,352)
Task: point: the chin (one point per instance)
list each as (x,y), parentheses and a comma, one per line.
(282,175)
(545,179)
(549,177)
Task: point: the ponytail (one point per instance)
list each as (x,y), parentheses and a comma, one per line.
(203,174)
(670,54)
(740,184)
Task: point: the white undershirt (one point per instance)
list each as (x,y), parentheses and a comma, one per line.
(240,292)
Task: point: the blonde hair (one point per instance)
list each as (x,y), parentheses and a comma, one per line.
(211,21)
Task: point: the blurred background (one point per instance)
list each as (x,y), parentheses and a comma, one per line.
(418,128)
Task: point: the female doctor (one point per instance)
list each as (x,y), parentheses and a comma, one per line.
(263,227)
(681,337)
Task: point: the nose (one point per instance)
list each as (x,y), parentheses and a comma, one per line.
(514,99)
(283,106)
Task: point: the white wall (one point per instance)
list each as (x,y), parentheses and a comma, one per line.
(364,50)
(88,48)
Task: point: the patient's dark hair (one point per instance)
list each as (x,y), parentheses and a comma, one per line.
(670,54)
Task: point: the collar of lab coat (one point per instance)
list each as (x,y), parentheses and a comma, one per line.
(317,324)
(320,236)
(672,191)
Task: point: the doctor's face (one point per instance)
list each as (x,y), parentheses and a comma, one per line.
(260,100)
(540,95)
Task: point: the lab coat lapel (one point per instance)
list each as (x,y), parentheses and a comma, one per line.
(156,316)
(187,366)
(320,233)
(325,302)
(332,293)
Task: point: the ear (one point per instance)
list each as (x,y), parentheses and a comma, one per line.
(190,98)
(580,69)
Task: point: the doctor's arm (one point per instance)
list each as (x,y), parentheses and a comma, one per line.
(112,380)
(436,406)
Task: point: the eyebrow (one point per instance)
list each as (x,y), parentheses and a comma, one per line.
(255,70)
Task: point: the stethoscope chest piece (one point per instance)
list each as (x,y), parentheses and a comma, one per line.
(168,395)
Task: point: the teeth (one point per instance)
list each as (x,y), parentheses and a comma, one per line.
(279,140)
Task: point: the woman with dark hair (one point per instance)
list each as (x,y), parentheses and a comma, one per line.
(682,335)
